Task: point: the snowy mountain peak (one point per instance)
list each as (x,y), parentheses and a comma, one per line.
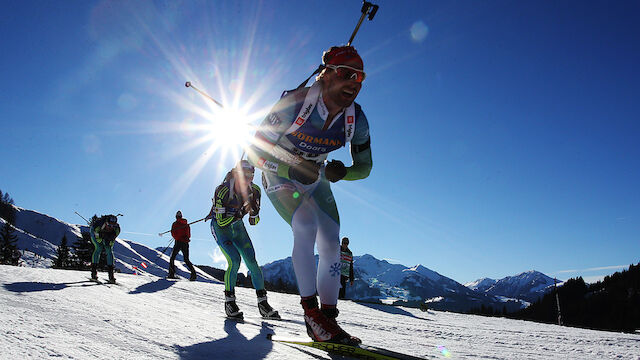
(368,258)
(424,272)
(530,277)
(530,273)
(416,268)
(528,285)
(481,284)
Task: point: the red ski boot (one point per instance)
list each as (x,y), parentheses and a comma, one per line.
(321,328)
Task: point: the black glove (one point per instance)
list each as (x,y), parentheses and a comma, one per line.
(252,207)
(335,170)
(305,173)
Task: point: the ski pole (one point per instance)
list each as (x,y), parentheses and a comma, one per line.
(188,84)
(87,221)
(193,222)
(165,249)
(367,9)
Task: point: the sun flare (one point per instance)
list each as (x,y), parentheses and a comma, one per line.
(211,121)
(230,127)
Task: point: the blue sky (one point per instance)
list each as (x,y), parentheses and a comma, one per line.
(504,134)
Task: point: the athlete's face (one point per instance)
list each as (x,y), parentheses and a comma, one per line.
(243,178)
(341,91)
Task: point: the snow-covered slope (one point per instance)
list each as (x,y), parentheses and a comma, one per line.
(45,227)
(47,313)
(528,286)
(33,247)
(39,236)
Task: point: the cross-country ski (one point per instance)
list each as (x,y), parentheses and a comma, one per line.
(356,352)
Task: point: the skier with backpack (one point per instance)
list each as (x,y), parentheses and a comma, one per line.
(290,148)
(236,197)
(103,232)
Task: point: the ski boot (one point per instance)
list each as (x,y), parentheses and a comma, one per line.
(112,278)
(94,272)
(266,311)
(172,272)
(193,276)
(331,312)
(230,307)
(321,328)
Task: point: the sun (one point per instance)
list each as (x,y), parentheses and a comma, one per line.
(230,127)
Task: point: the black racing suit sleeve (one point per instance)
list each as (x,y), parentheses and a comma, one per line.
(222,199)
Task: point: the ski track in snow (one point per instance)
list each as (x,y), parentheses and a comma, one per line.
(60,313)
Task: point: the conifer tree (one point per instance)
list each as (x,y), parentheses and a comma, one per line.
(63,258)
(9,254)
(83,249)
(7,211)
(611,304)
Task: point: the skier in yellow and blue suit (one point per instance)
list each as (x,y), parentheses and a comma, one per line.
(103,231)
(236,197)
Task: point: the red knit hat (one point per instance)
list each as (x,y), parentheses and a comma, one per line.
(340,55)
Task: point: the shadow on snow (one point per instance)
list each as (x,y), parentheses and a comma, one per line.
(154,286)
(234,346)
(389,309)
(40,286)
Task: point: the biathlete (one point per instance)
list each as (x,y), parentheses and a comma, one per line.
(103,231)
(233,199)
(291,147)
(181,232)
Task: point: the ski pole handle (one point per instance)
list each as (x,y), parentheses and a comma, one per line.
(373,11)
(367,9)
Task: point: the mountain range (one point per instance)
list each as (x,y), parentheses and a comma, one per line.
(376,281)
(528,286)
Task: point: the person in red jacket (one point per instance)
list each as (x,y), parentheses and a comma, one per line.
(181,232)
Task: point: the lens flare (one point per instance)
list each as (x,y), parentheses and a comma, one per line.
(419,31)
(443,350)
